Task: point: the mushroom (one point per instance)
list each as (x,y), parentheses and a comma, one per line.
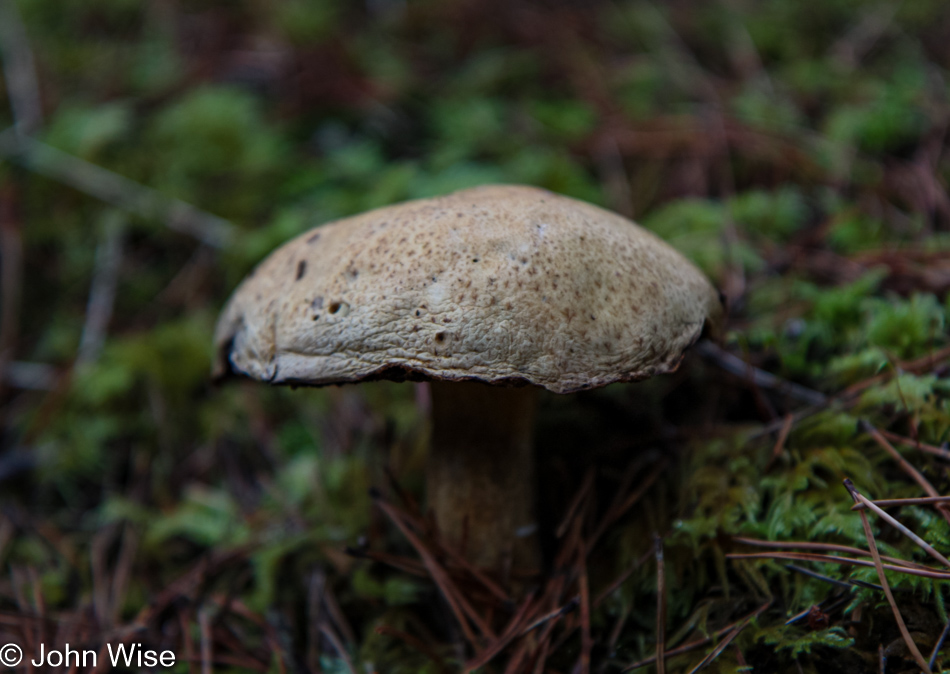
(490,294)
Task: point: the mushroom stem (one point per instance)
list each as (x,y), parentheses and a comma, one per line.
(480,472)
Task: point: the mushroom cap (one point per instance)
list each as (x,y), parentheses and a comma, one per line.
(507,285)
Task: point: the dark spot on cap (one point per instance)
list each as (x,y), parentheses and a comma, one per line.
(313,237)
(440,337)
(301,269)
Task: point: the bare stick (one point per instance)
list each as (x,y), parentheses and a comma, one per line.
(738,367)
(622,578)
(439,575)
(692,645)
(19,70)
(204,621)
(929,449)
(102,293)
(848,50)
(780,442)
(872,544)
(868,503)
(721,647)
(939,644)
(825,547)
(115,189)
(512,630)
(556,613)
(847,561)
(415,643)
(337,646)
(11,280)
(587,643)
(814,574)
(660,606)
(30,376)
(893,502)
(618,508)
(905,465)
(576,503)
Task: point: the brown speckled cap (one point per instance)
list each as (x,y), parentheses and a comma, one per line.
(500,284)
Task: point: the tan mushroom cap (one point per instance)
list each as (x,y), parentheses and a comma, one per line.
(500,284)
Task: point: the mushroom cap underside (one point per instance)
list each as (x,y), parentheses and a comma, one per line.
(502,284)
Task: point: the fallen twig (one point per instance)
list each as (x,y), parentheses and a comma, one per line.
(872,544)
(721,646)
(916,444)
(826,547)
(903,463)
(847,561)
(337,646)
(19,70)
(102,292)
(415,643)
(937,646)
(921,543)
(619,507)
(610,589)
(660,606)
(115,189)
(814,574)
(692,645)
(587,642)
(579,497)
(442,579)
(780,441)
(893,502)
(738,367)
(511,631)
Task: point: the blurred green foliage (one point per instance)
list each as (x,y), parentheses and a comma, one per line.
(795,151)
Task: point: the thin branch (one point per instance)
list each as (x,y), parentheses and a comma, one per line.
(569,607)
(458,604)
(660,606)
(337,646)
(847,561)
(905,465)
(921,543)
(939,645)
(738,367)
(19,70)
(693,645)
(923,447)
(11,279)
(705,662)
(204,622)
(115,189)
(576,502)
(415,643)
(102,292)
(30,376)
(894,502)
(850,48)
(587,643)
(619,507)
(826,547)
(780,442)
(511,631)
(610,589)
(814,574)
(872,544)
